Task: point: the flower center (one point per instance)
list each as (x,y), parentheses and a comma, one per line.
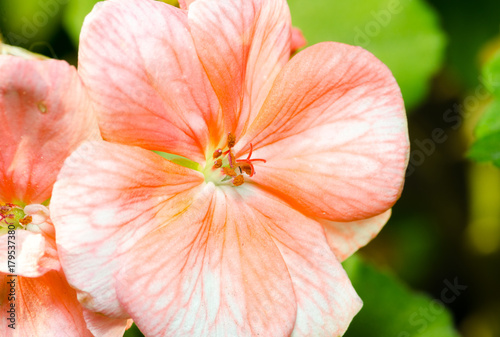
(227,168)
(12,217)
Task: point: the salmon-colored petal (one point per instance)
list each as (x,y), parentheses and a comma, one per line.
(103,203)
(45,113)
(345,238)
(144,76)
(103,326)
(326,300)
(44,306)
(237,263)
(34,254)
(333,131)
(243,44)
(297,40)
(212,271)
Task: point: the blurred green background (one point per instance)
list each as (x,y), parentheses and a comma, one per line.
(434,270)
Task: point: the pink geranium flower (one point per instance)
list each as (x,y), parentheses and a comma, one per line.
(45,114)
(277,169)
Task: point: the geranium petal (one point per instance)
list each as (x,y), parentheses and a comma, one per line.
(109,197)
(333,131)
(239,262)
(184,4)
(345,238)
(103,326)
(213,271)
(45,306)
(45,113)
(34,254)
(145,78)
(298,40)
(243,44)
(326,300)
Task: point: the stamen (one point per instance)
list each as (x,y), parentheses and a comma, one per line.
(217,153)
(26,220)
(249,161)
(230,158)
(218,163)
(239,180)
(247,168)
(231,140)
(229,171)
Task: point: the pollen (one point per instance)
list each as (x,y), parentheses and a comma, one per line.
(217,153)
(239,180)
(231,140)
(218,163)
(229,171)
(26,220)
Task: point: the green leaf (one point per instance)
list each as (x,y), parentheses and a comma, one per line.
(404,34)
(490,121)
(470,28)
(74,15)
(29,23)
(491,75)
(390,309)
(133,332)
(486,149)
(78,10)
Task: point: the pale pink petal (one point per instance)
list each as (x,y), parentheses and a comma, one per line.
(45,114)
(243,45)
(237,263)
(34,254)
(145,78)
(45,306)
(184,4)
(41,222)
(103,326)
(345,238)
(298,40)
(101,205)
(333,131)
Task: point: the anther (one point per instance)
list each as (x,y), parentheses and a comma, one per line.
(229,171)
(217,153)
(248,161)
(26,220)
(231,140)
(239,180)
(218,163)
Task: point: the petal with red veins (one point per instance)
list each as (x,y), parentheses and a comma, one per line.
(34,254)
(213,271)
(243,45)
(148,85)
(333,131)
(237,263)
(326,300)
(45,113)
(110,197)
(44,305)
(345,238)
